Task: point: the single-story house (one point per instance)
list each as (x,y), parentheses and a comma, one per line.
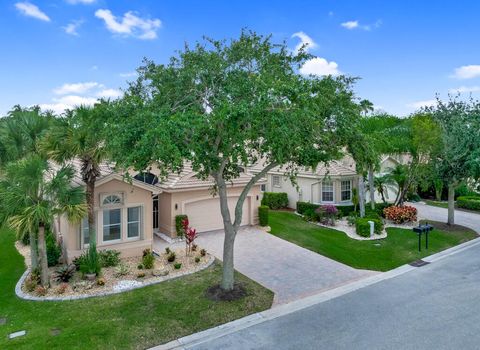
(129,213)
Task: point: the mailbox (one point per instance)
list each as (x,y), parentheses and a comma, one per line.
(423,230)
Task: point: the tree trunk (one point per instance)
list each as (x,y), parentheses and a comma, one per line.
(33,250)
(451,204)
(90,198)
(361,196)
(229,240)
(438,190)
(371,186)
(42,252)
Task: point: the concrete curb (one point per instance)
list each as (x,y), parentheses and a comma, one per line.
(285,309)
(22,295)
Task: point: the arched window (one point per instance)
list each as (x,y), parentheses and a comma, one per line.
(112,199)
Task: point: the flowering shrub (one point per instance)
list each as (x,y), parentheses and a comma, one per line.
(399,215)
(327,214)
(190,235)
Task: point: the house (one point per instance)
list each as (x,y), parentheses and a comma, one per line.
(129,213)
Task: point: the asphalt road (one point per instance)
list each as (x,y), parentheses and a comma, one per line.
(436,306)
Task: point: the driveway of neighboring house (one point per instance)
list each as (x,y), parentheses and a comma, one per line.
(290,271)
(464,218)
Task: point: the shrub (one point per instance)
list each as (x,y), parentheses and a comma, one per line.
(167,250)
(62,288)
(197,259)
(303,206)
(399,215)
(109,258)
(171,257)
(177,266)
(464,191)
(327,214)
(469,202)
(140,274)
(179,224)
(31,283)
(79,260)
(91,262)
(203,252)
(65,273)
(275,200)
(148,259)
(379,207)
(362,226)
(101,281)
(351,220)
(413,197)
(194,247)
(122,269)
(310,215)
(53,249)
(140,266)
(263,215)
(345,210)
(40,290)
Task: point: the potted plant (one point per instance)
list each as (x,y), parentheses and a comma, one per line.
(90,265)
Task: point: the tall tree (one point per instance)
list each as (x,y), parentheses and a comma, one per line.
(459,158)
(79,135)
(226,105)
(32,194)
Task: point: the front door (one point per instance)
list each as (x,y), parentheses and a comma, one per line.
(155,212)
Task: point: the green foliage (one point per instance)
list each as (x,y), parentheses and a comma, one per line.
(109,257)
(90,263)
(177,266)
(65,273)
(362,227)
(179,224)
(310,215)
(197,259)
(304,206)
(345,210)
(464,190)
(378,211)
(275,200)
(148,259)
(469,202)
(263,215)
(53,249)
(171,257)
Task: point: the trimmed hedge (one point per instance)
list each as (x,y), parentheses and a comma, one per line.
(302,207)
(275,200)
(362,226)
(469,202)
(263,215)
(178,224)
(345,210)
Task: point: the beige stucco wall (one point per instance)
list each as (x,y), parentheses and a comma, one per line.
(178,202)
(309,189)
(133,196)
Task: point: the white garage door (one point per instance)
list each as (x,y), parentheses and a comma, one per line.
(204,215)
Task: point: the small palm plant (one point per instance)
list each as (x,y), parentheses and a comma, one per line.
(32,194)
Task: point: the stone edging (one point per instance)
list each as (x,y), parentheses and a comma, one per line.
(21,294)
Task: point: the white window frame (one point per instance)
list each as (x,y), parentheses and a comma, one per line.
(121,226)
(104,196)
(276,178)
(140,223)
(324,182)
(82,233)
(342,190)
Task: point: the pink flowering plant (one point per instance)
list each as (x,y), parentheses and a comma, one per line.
(327,214)
(190,235)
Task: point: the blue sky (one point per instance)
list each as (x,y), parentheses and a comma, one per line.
(57,53)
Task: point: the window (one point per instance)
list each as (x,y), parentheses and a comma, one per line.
(112,224)
(112,199)
(263,188)
(134,222)
(327,191)
(85,233)
(276,181)
(346,190)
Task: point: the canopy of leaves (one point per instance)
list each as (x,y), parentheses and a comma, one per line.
(223,105)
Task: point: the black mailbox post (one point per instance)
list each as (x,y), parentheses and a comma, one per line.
(422,229)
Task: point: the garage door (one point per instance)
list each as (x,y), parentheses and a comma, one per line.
(204,215)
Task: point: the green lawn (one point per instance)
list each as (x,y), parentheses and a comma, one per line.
(400,247)
(131,320)
(441,204)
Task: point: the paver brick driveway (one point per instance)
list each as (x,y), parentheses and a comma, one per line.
(290,271)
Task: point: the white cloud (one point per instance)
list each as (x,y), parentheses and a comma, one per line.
(130,24)
(31,10)
(320,66)
(59,105)
(467,72)
(128,74)
(350,24)
(109,93)
(304,40)
(72,27)
(76,88)
(87,2)
(424,103)
(464,89)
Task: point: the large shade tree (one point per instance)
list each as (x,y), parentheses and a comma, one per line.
(223,106)
(32,193)
(459,157)
(79,136)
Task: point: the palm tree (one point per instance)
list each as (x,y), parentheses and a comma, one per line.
(382,184)
(366,106)
(79,136)
(32,194)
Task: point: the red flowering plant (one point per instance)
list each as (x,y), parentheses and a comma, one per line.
(400,215)
(190,235)
(327,214)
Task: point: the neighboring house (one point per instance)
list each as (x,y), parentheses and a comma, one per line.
(128,214)
(332,184)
